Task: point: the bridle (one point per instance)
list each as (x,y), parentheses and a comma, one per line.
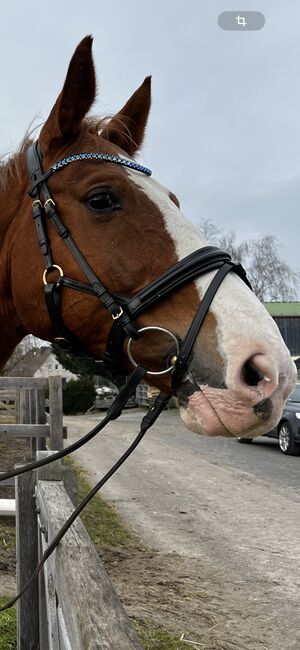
(123,311)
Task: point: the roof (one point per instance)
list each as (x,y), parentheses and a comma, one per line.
(283,308)
(32,360)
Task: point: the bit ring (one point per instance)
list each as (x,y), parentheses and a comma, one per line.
(164,331)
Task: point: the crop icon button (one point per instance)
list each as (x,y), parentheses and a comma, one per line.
(241,21)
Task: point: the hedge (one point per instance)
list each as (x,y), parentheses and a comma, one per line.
(78,395)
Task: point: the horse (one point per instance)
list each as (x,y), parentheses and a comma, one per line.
(128,230)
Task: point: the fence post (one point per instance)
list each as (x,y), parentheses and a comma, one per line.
(27,559)
(56,413)
(41,416)
(24,406)
(25,415)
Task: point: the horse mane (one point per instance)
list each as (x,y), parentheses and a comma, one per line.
(12,167)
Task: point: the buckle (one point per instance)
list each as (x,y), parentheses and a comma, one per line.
(116,316)
(54,266)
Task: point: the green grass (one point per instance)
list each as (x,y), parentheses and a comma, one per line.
(7,627)
(100,519)
(156,638)
(7,535)
(106,529)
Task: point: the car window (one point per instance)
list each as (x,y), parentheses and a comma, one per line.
(295,395)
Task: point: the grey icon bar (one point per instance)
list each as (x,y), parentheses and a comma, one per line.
(241,21)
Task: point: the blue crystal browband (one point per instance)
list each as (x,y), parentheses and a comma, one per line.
(101,156)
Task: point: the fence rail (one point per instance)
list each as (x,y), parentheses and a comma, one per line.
(73,604)
(30,416)
(31,411)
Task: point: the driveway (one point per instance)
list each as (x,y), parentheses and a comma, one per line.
(218,516)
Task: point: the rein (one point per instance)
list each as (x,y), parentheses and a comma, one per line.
(123,311)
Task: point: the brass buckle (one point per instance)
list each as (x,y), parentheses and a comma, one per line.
(54,266)
(118,315)
(49,201)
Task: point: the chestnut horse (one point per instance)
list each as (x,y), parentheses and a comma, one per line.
(130,230)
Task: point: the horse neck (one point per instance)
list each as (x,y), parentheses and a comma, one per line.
(12,331)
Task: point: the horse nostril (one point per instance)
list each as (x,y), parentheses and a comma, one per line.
(251,375)
(259,373)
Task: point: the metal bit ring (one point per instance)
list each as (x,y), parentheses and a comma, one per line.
(158,329)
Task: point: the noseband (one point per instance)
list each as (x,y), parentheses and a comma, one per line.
(123,310)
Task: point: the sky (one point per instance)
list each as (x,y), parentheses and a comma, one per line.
(224,130)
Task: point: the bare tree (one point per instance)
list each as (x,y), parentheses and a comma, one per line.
(210,231)
(271,278)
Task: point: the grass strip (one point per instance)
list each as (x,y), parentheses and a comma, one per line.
(100,519)
(8,630)
(155,638)
(106,529)
(7,535)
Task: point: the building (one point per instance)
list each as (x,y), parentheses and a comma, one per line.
(287,317)
(40,362)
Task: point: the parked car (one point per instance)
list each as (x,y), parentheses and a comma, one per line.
(105,396)
(288,428)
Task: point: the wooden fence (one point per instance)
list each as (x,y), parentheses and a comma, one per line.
(8,405)
(73,605)
(24,398)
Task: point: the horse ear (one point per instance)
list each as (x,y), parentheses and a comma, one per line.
(75,99)
(127,128)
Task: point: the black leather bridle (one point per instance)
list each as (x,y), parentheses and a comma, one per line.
(123,310)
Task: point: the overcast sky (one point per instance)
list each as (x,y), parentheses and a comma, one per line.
(224,132)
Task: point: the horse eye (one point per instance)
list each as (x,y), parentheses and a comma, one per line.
(103,201)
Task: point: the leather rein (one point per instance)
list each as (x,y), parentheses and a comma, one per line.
(123,311)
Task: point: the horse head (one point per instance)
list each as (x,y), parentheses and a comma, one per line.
(130,230)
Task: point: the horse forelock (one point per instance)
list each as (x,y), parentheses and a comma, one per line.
(13,166)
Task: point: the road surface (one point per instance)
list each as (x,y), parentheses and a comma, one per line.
(231,510)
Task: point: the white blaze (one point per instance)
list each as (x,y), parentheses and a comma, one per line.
(244,326)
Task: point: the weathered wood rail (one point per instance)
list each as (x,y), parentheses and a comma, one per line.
(8,404)
(31,418)
(73,605)
(31,411)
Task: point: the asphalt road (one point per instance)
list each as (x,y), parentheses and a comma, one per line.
(211,481)
(234,507)
(262,458)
